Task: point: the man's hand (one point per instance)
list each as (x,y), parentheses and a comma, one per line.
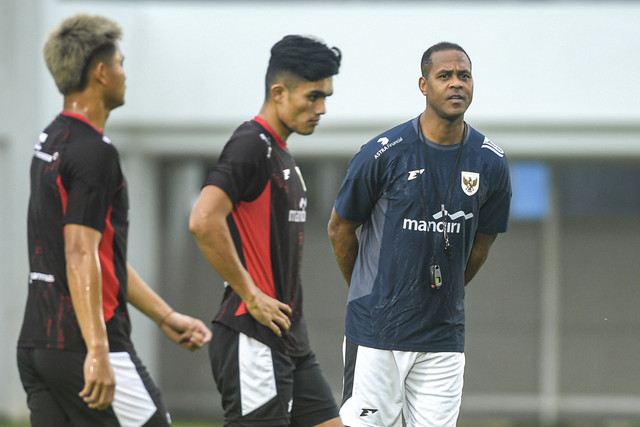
(99,380)
(344,241)
(270,312)
(208,223)
(185,330)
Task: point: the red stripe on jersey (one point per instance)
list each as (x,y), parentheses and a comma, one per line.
(110,283)
(64,300)
(253,221)
(273,133)
(64,197)
(82,118)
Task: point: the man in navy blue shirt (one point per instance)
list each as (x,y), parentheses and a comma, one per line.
(430,196)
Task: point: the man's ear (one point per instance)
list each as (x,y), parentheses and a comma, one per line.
(422,84)
(277,92)
(98,72)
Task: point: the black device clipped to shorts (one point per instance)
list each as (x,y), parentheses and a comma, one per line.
(436,277)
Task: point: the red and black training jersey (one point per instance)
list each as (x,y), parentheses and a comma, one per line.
(76,178)
(257,172)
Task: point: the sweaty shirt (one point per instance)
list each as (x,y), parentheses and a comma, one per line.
(390,186)
(76,178)
(258,174)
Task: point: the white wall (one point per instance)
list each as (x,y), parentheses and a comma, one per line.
(200,61)
(554,67)
(20,123)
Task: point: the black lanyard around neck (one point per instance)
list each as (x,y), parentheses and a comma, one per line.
(447,194)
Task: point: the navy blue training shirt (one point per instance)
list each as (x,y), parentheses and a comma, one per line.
(390,187)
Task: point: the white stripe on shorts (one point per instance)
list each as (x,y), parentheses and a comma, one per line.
(257,377)
(131,400)
(424,387)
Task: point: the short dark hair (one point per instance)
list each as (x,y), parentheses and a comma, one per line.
(426,61)
(76,45)
(305,58)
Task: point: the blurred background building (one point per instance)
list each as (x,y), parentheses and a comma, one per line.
(553,319)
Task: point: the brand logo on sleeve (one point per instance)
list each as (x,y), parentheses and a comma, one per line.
(268,142)
(41,277)
(384,141)
(38,153)
(493,147)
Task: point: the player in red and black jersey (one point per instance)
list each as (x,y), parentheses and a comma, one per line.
(76,359)
(249,224)
(76,179)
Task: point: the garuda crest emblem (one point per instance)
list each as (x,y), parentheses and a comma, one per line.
(470,182)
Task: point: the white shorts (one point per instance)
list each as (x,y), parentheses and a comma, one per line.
(382,386)
(52,379)
(132,402)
